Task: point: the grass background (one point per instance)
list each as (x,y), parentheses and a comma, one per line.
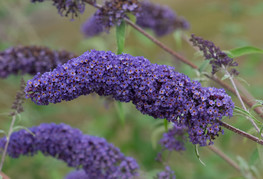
(228,23)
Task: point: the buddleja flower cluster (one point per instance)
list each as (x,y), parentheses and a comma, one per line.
(114,11)
(156,90)
(218,59)
(161,19)
(30,59)
(166,174)
(174,139)
(66,7)
(95,155)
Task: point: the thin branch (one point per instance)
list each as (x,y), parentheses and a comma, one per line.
(160,44)
(7,141)
(240,132)
(241,101)
(225,157)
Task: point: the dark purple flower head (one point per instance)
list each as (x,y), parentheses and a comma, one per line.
(31,60)
(66,7)
(166,174)
(174,139)
(218,59)
(97,157)
(156,90)
(17,105)
(161,19)
(92,27)
(113,12)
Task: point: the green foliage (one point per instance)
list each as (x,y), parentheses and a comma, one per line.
(198,156)
(120,37)
(237,52)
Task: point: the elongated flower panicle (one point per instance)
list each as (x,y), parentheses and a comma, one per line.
(217,58)
(174,139)
(66,7)
(161,19)
(166,174)
(156,90)
(97,157)
(114,11)
(31,60)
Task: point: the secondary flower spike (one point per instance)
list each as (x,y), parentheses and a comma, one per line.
(66,7)
(161,19)
(114,11)
(174,139)
(166,174)
(156,90)
(217,58)
(94,155)
(31,60)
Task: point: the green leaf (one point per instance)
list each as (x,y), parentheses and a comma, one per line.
(259,103)
(120,37)
(237,52)
(198,156)
(244,112)
(131,17)
(226,76)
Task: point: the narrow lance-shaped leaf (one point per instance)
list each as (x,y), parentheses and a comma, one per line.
(120,37)
(198,156)
(237,52)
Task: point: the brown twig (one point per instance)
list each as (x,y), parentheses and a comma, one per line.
(225,157)
(240,132)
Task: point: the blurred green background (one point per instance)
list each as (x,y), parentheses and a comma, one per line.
(228,23)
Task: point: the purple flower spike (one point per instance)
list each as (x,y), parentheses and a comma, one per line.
(66,7)
(166,174)
(97,157)
(113,12)
(217,58)
(161,19)
(30,59)
(174,139)
(156,90)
